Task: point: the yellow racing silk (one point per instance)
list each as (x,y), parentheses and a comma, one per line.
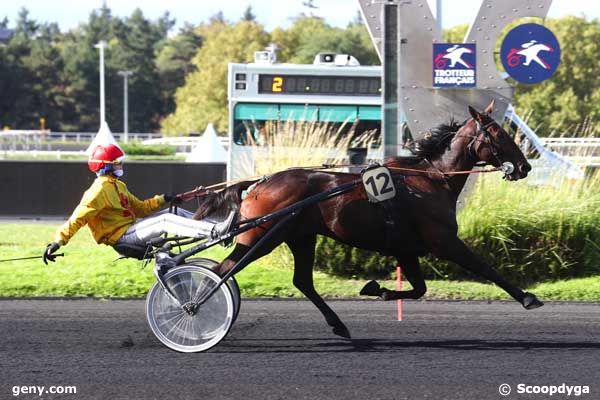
(109,210)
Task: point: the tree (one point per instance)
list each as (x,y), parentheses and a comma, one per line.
(456,34)
(572,95)
(356,41)
(203,98)
(132,43)
(81,68)
(248,14)
(134,49)
(358,19)
(18,90)
(309,36)
(218,18)
(45,66)
(174,63)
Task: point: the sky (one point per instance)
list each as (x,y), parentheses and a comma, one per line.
(271,13)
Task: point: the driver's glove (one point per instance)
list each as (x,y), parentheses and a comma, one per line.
(173,198)
(50,250)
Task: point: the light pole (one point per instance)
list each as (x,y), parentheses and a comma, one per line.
(438,14)
(101,45)
(125,75)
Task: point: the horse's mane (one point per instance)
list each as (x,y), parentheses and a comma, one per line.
(436,141)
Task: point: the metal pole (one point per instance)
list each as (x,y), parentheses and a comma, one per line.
(125,110)
(125,75)
(390,79)
(101,45)
(438,14)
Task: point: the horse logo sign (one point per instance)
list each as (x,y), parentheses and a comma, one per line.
(454,65)
(530,53)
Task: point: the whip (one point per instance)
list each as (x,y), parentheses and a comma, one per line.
(31,258)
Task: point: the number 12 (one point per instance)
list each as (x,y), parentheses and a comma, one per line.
(385,187)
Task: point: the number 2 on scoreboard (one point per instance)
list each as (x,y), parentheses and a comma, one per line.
(277,84)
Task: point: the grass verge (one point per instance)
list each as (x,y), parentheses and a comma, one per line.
(91,270)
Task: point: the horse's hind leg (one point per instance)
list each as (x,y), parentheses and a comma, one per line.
(303,250)
(457,251)
(240,251)
(412,271)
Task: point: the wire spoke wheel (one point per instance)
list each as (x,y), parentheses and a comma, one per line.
(186,331)
(231,282)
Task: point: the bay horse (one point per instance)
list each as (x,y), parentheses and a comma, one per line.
(423,213)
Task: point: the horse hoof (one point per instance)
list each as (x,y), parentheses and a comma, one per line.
(342,331)
(372,288)
(531,302)
(387,295)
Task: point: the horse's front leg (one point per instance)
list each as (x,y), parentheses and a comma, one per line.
(412,271)
(303,250)
(456,250)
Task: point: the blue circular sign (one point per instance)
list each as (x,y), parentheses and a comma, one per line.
(530,53)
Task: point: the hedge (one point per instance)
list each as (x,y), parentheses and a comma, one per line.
(528,233)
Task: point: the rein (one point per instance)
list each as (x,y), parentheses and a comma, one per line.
(471,171)
(481,129)
(217,187)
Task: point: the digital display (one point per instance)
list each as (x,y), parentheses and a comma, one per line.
(323,85)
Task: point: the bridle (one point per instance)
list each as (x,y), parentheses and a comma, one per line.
(482,130)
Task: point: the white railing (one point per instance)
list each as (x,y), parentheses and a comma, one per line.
(571,142)
(71,136)
(574,147)
(186,143)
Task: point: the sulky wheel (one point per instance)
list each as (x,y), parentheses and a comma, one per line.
(231,282)
(183,327)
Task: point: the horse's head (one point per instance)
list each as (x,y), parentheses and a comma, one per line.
(491,144)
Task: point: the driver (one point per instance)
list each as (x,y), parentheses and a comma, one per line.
(113,214)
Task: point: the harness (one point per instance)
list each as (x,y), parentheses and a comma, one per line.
(487,138)
(391,211)
(390,208)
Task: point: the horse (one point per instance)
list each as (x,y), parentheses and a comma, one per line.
(423,212)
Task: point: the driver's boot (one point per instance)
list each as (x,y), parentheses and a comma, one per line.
(221,228)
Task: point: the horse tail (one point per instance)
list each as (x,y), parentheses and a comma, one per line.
(223,201)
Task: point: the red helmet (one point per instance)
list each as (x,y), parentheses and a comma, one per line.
(103,155)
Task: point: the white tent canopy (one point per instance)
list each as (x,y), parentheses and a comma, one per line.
(103,137)
(208,149)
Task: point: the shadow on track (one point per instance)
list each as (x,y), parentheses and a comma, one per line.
(375,345)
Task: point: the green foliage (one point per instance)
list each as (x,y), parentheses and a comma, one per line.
(248,14)
(456,34)
(203,98)
(309,36)
(137,149)
(571,97)
(89,269)
(528,233)
(573,93)
(342,260)
(174,62)
(45,73)
(29,73)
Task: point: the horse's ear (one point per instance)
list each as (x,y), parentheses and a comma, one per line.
(475,114)
(490,107)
